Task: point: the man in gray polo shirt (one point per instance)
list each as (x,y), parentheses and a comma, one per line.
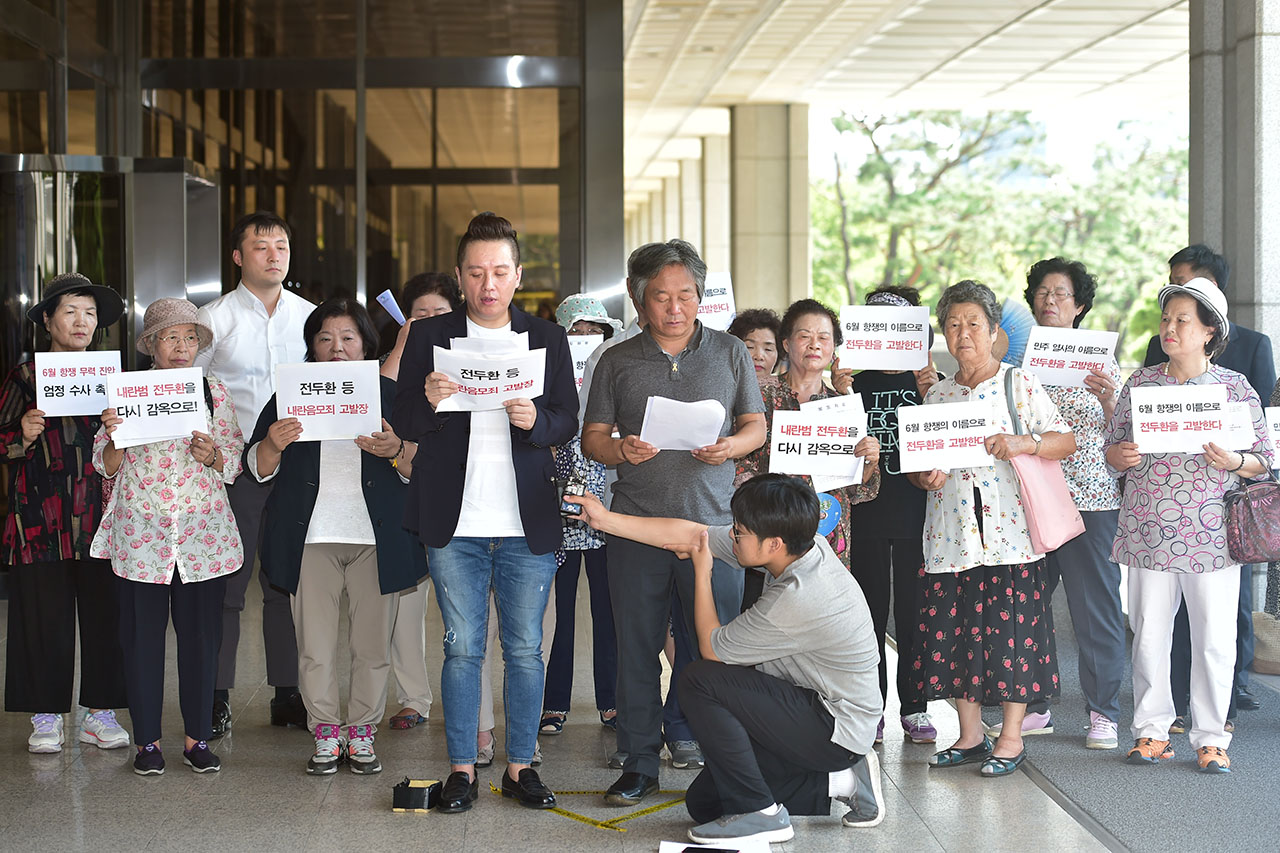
(675,357)
(786,697)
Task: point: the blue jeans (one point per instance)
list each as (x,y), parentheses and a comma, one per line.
(463,572)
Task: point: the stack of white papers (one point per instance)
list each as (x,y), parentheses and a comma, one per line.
(673,425)
(490,371)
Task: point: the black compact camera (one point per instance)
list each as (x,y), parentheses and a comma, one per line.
(575,486)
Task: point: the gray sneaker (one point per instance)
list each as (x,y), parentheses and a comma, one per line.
(742,827)
(866,806)
(686,753)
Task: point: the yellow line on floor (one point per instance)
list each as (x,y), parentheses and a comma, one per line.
(612,823)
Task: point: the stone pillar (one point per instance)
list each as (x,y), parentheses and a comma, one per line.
(657,228)
(715,204)
(671,208)
(770,202)
(691,202)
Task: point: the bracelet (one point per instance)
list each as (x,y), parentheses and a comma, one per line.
(1238,467)
(395,460)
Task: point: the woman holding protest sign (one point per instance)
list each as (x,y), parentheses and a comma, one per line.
(170,533)
(1173,536)
(55,503)
(984,637)
(315,546)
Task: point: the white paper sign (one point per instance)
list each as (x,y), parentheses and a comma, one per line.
(883,337)
(157,405)
(332,399)
(1065,356)
(1272,414)
(945,436)
(1179,419)
(74,383)
(1240,432)
(673,425)
(813,442)
(580,349)
(488,380)
(851,406)
(388,301)
(717,309)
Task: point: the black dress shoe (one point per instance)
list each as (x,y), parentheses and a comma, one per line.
(289,712)
(630,789)
(458,793)
(221,719)
(529,790)
(1246,701)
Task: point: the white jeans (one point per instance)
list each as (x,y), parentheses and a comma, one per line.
(1212,599)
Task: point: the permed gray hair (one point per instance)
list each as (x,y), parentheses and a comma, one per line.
(652,258)
(969,291)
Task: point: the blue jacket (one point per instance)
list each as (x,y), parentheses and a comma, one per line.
(1247,353)
(440,468)
(402,563)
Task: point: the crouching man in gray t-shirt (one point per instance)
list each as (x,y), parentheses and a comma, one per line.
(786,698)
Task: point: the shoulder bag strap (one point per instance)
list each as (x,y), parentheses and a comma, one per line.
(1018,428)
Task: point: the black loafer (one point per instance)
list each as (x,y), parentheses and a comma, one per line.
(458,793)
(529,790)
(630,789)
(289,712)
(221,719)
(1246,701)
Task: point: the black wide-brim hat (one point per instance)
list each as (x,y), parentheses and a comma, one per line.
(110,305)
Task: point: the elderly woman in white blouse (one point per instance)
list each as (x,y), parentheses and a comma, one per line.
(984,636)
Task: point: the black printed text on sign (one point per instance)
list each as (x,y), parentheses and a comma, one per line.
(945,436)
(157,405)
(74,383)
(816,443)
(881,337)
(332,399)
(486,381)
(1067,356)
(1180,418)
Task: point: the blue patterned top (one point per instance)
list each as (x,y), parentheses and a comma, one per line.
(571,462)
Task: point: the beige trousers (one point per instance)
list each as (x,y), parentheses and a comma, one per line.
(409,649)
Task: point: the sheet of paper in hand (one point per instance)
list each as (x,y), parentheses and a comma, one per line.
(332,399)
(1065,356)
(1179,418)
(717,309)
(74,383)
(1239,424)
(850,406)
(945,436)
(486,380)
(882,337)
(1273,425)
(673,425)
(580,349)
(157,405)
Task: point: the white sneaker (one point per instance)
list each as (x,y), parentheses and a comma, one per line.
(46,735)
(103,730)
(1102,732)
(360,755)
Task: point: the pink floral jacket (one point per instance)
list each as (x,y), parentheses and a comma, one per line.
(168,510)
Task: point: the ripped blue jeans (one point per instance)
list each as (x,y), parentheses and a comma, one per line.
(463,573)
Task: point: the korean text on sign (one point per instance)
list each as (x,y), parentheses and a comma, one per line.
(816,443)
(945,436)
(74,383)
(487,381)
(881,337)
(157,405)
(332,399)
(580,349)
(717,309)
(1066,356)
(1179,419)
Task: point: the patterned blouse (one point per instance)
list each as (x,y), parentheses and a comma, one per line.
(169,509)
(55,496)
(953,540)
(1172,517)
(569,463)
(1090,481)
(778,395)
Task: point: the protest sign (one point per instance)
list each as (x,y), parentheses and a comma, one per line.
(1240,434)
(674,425)
(157,405)
(580,349)
(815,442)
(850,406)
(1273,427)
(332,399)
(717,309)
(74,383)
(945,436)
(1065,356)
(1179,418)
(882,337)
(486,380)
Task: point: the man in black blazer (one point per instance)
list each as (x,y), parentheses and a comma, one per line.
(1248,353)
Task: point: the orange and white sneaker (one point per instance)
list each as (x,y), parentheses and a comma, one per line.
(1213,759)
(1148,750)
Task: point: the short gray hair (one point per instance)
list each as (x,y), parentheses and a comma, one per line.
(974,292)
(652,258)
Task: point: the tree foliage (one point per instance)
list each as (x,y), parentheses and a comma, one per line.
(942,196)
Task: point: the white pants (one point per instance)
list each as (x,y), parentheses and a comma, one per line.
(1212,599)
(409,649)
(492,650)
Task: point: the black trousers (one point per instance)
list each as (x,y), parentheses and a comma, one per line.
(197,620)
(881,566)
(765,741)
(248,500)
(45,600)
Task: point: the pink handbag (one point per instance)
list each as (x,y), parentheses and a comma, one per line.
(1052,517)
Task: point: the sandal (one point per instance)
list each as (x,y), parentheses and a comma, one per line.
(955,757)
(609,722)
(407,721)
(552,722)
(995,766)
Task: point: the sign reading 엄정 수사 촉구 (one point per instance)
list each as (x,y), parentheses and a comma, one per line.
(74,383)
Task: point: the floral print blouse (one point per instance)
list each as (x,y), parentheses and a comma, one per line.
(778,395)
(953,539)
(55,495)
(1090,481)
(167,510)
(1172,518)
(570,463)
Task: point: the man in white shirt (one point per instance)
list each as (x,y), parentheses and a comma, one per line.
(256,327)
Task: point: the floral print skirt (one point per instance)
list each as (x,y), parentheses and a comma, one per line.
(985,635)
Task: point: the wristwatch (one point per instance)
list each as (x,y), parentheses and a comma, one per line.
(1037,438)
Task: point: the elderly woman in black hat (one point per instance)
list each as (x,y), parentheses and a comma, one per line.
(55,502)
(171,536)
